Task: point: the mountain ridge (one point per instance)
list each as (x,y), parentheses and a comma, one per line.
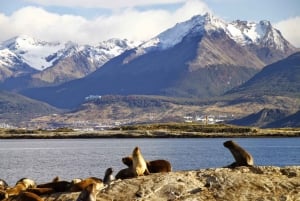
(191,59)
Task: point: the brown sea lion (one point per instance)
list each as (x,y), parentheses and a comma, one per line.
(108,177)
(154,166)
(86,182)
(89,193)
(241,156)
(139,164)
(28,196)
(22,185)
(58,186)
(41,191)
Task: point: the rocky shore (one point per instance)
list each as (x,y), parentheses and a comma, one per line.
(259,183)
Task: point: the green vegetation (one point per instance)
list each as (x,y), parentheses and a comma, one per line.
(189,127)
(159,130)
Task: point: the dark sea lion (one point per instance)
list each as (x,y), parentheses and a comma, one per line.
(3,195)
(56,179)
(153,166)
(85,183)
(241,156)
(89,193)
(58,186)
(127,161)
(125,173)
(108,177)
(139,164)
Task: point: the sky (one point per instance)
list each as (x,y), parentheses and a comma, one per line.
(92,21)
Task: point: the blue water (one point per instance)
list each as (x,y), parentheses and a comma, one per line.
(42,160)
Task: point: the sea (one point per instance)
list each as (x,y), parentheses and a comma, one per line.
(44,159)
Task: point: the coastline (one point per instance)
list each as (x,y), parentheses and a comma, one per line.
(142,134)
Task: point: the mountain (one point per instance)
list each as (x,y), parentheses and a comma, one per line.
(292,120)
(261,118)
(15,108)
(281,78)
(52,63)
(202,57)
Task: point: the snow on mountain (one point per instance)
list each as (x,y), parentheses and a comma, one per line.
(33,52)
(242,32)
(174,35)
(41,55)
(246,33)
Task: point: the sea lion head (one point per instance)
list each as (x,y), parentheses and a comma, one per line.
(3,184)
(28,183)
(228,144)
(136,151)
(127,161)
(56,179)
(109,171)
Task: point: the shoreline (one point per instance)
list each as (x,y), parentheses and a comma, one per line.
(142,134)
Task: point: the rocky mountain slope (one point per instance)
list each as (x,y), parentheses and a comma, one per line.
(280,78)
(292,120)
(261,118)
(202,57)
(15,108)
(27,62)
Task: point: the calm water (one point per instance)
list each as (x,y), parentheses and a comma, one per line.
(42,160)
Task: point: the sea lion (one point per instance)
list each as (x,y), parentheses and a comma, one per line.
(89,193)
(108,177)
(28,196)
(86,182)
(241,156)
(126,173)
(161,165)
(41,191)
(139,164)
(3,195)
(58,186)
(153,166)
(22,185)
(56,179)
(3,184)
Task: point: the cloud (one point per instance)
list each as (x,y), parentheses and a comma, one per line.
(127,23)
(103,3)
(290,29)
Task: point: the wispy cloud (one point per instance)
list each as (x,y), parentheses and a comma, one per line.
(290,29)
(129,23)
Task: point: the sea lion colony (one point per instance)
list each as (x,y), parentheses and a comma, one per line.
(27,190)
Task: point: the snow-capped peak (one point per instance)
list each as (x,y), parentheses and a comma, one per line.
(260,33)
(32,51)
(174,35)
(41,54)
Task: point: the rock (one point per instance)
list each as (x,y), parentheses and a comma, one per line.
(260,183)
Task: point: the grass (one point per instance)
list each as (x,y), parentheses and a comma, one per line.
(159,130)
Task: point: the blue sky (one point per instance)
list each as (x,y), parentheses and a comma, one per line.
(91,21)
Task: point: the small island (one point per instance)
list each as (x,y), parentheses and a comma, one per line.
(159,130)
